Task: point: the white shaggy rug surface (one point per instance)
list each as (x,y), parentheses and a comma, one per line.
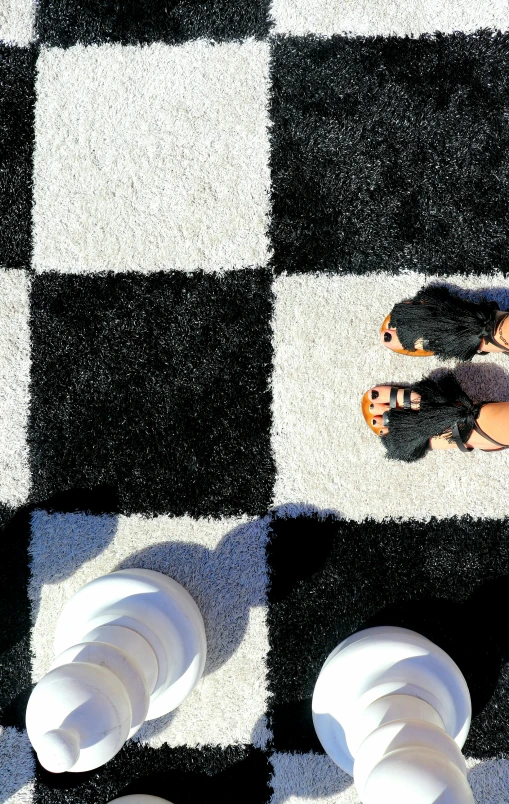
(207,209)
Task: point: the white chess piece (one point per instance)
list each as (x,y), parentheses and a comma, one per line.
(393,710)
(130,647)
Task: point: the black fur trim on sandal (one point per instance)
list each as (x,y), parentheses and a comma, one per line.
(443,403)
(449,326)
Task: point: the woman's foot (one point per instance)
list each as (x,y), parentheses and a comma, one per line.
(379,397)
(436,322)
(389,337)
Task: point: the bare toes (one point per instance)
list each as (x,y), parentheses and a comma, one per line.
(380,394)
(378,409)
(389,338)
(377,422)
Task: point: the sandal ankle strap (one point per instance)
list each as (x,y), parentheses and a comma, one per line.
(455,432)
(490,332)
(481,432)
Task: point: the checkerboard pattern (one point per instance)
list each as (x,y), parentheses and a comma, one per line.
(206,211)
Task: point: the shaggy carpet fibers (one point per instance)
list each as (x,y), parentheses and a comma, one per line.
(206,211)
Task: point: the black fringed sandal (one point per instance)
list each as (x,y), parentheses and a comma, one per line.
(445,325)
(444,410)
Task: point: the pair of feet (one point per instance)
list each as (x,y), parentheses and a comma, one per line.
(437,322)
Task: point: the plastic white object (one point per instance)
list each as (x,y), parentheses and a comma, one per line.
(393,710)
(139,798)
(130,647)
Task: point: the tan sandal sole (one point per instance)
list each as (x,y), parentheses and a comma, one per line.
(368,414)
(415,353)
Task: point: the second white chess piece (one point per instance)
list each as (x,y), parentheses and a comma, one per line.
(393,710)
(139,798)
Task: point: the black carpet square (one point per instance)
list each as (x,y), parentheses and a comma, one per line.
(391,154)
(63,23)
(17,101)
(15,620)
(158,385)
(446,579)
(180,775)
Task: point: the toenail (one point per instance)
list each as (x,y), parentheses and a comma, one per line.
(387,337)
(373,421)
(374,394)
(371,407)
(385,418)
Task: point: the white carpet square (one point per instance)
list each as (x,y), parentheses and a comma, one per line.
(14,386)
(152,158)
(220,562)
(310,778)
(327,354)
(17,767)
(371,18)
(489,779)
(17,22)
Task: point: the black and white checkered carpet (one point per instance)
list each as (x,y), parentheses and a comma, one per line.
(207,208)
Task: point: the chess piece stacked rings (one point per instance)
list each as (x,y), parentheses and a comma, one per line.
(393,710)
(130,647)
